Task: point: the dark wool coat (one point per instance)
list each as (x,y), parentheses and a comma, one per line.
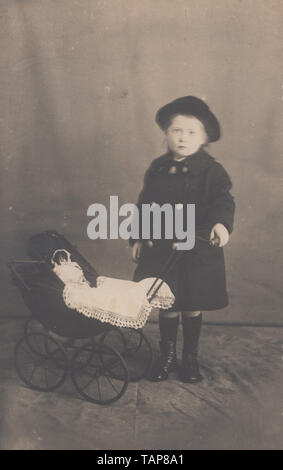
(198,276)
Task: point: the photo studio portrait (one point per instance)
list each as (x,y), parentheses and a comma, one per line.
(141,225)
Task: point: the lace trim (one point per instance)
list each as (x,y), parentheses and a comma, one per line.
(110,317)
(116,319)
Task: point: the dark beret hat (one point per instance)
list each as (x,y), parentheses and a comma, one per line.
(191,106)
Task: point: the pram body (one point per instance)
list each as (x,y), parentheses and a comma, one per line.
(42,291)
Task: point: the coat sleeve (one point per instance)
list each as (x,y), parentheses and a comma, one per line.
(145,194)
(221,202)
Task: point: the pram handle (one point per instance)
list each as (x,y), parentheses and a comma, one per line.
(166,268)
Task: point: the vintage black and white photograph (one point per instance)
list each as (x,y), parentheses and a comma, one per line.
(141,227)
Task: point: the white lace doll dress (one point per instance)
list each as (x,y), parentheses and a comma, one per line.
(115,301)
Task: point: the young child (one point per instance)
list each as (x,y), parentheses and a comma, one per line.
(187,174)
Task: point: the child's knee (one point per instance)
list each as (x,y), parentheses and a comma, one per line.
(191,314)
(165,314)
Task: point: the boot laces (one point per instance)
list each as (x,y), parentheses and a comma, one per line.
(168,354)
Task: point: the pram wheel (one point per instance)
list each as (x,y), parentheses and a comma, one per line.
(134,347)
(41,362)
(99,373)
(32,326)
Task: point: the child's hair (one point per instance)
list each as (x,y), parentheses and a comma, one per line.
(168,122)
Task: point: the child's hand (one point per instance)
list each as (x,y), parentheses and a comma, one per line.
(136,251)
(219,235)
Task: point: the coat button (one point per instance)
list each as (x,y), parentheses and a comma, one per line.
(172,170)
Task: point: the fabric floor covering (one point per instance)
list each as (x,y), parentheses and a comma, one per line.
(239,404)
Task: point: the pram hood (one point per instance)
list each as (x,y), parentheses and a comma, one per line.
(42,289)
(42,246)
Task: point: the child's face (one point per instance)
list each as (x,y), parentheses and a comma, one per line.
(185,136)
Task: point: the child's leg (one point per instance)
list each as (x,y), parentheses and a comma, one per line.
(166,314)
(191,332)
(168,325)
(192,314)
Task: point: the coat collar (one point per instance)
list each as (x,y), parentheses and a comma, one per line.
(195,163)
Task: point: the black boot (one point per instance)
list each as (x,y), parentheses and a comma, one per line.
(189,372)
(167,361)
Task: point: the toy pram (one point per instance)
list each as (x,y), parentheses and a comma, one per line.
(100,358)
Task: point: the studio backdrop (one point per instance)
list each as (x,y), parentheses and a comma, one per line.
(81,81)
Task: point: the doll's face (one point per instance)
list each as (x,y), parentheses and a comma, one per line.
(61,257)
(185,135)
